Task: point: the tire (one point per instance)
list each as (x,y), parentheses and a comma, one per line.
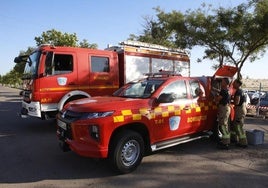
(126,151)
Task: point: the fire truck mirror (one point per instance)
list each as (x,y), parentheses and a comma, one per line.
(17,60)
(21,59)
(166,98)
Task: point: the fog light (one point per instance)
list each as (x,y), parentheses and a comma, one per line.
(94,132)
(32,109)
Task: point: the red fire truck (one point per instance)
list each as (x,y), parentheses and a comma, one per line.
(54,76)
(159,111)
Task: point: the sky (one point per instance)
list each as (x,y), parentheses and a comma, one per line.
(102,22)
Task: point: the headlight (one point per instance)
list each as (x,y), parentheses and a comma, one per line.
(93,115)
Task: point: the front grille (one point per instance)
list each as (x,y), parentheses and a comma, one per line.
(64,129)
(67,117)
(65,134)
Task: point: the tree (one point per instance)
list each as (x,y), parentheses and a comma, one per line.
(154,32)
(58,38)
(229,35)
(11,78)
(85,44)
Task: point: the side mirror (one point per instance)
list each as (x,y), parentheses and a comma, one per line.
(166,98)
(21,58)
(17,59)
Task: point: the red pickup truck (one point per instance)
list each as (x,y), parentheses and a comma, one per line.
(159,111)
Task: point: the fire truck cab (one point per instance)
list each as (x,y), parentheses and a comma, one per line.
(54,76)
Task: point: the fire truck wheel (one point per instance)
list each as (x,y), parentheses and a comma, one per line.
(126,151)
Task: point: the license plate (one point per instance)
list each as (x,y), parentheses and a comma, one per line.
(62,124)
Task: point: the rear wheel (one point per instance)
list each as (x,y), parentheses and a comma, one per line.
(126,151)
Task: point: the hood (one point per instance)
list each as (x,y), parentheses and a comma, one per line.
(102,104)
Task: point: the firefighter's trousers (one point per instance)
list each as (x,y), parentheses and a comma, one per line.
(223,116)
(238,133)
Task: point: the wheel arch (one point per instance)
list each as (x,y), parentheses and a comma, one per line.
(137,127)
(73,95)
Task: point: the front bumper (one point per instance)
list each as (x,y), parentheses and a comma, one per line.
(30,109)
(35,109)
(87,150)
(76,137)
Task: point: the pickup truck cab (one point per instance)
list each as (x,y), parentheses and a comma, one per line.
(153,113)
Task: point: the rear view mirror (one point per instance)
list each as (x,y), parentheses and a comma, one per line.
(166,98)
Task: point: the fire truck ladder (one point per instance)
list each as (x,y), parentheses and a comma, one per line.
(162,74)
(144,45)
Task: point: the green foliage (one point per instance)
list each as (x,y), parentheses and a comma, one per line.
(228,35)
(57,38)
(12,78)
(85,44)
(157,31)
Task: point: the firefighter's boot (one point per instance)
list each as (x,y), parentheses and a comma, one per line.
(233,135)
(225,141)
(242,138)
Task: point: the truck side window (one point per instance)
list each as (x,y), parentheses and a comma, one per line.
(59,64)
(178,88)
(63,64)
(100,64)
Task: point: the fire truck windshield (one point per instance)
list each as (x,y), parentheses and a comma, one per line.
(31,67)
(140,89)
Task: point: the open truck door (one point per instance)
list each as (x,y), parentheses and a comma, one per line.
(225,71)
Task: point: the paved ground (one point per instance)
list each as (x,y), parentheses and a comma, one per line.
(30,157)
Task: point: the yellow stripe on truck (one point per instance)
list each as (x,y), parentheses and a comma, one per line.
(164,112)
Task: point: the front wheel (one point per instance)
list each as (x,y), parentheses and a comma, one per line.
(126,151)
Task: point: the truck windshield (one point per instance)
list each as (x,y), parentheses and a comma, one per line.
(140,89)
(31,67)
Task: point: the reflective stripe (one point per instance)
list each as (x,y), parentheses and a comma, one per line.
(118,119)
(60,88)
(126,112)
(164,111)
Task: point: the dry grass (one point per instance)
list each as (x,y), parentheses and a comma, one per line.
(254,84)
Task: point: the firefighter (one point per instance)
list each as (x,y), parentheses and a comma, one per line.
(240,114)
(224,110)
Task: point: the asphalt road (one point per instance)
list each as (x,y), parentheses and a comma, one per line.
(30,157)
